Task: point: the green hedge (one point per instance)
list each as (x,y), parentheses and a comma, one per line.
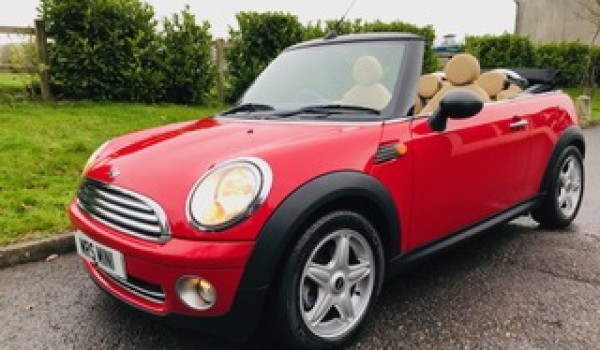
(259,39)
(509,50)
(112,50)
(506,50)
(430,60)
(102,49)
(571,59)
(189,74)
(262,36)
(320,28)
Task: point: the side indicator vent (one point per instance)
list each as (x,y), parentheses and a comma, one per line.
(386,153)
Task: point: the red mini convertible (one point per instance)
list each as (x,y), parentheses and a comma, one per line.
(339,167)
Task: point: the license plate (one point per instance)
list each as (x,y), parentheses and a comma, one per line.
(108,259)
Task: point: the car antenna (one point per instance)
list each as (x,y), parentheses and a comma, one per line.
(336,28)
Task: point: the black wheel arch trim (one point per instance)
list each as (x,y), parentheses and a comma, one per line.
(572,135)
(285,223)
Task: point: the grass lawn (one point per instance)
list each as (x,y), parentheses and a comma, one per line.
(43,148)
(13,80)
(576,92)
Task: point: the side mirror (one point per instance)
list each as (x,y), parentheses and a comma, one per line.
(456,104)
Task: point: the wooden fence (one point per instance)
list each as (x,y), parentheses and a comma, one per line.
(41,42)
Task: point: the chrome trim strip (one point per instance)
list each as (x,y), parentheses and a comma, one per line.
(120,200)
(116,219)
(149,218)
(121,228)
(266,178)
(397,120)
(162,235)
(518,124)
(156,297)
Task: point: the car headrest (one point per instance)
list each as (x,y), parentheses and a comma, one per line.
(492,83)
(462,69)
(367,70)
(429,85)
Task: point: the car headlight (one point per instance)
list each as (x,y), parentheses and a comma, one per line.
(94,157)
(229,193)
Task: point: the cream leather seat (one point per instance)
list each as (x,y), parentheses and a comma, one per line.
(493,83)
(368,91)
(512,92)
(497,85)
(462,72)
(429,85)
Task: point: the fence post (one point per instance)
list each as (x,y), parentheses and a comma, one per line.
(220,56)
(42,46)
(583,104)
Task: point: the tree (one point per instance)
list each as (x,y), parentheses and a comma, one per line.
(189,74)
(589,10)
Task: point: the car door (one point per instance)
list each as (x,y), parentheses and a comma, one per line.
(469,172)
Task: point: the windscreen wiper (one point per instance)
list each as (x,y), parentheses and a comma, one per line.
(248,107)
(330,109)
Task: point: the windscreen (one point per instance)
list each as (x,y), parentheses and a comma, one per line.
(362,74)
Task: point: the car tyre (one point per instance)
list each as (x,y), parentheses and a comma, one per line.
(329,282)
(563,198)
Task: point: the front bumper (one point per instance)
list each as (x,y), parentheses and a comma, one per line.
(157,267)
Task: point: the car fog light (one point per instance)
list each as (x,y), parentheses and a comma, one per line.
(196,292)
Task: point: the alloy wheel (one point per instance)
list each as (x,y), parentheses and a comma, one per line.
(337,284)
(568,193)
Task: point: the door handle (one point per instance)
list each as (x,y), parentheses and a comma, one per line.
(518,124)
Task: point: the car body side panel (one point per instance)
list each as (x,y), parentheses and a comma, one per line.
(397,174)
(549,115)
(474,169)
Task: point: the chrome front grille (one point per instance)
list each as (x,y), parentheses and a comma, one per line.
(123,210)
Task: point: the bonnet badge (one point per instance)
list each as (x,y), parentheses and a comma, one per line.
(114,172)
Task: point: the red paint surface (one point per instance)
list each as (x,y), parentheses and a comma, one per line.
(446,181)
